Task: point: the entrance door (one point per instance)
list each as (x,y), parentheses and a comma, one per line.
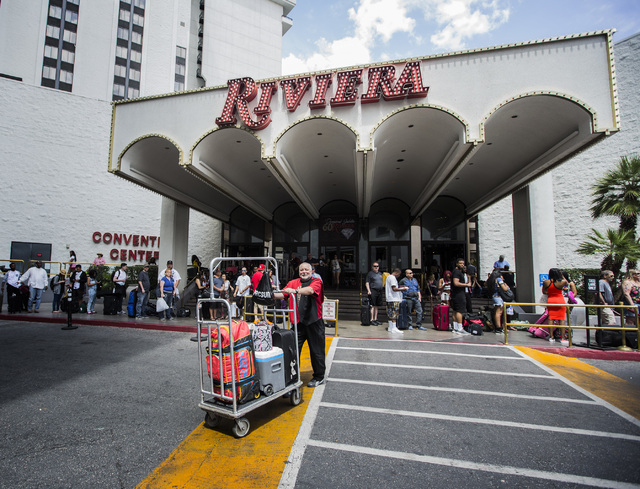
(31,251)
(390,256)
(348,265)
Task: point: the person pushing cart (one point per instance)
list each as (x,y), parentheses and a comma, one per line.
(309,292)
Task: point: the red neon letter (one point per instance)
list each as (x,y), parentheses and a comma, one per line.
(346,91)
(266,92)
(113,254)
(322,84)
(410,83)
(96,237)
(381,80)
(241,92)
(294,90)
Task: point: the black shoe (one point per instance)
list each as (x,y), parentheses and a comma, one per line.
(315,383)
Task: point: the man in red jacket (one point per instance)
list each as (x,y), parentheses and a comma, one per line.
(309,293)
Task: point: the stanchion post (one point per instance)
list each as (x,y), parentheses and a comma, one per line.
(69,300)
(505,327)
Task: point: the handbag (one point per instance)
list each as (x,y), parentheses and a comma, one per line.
(161,305)
(507,295)
(263,294)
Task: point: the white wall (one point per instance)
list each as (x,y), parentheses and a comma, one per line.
(573,179)
(22,30)
(241,38)
(56,186)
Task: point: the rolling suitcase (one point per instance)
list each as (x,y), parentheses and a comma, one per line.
(403,316)
(440,317)
(286,339)
(244,371)
(365,312)
(131,306)
(110,305)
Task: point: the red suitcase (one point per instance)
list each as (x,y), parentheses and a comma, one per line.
(440,317)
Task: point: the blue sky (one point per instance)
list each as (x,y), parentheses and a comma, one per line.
(338,33)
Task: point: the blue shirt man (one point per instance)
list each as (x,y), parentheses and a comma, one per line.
(501,263)
(413,297)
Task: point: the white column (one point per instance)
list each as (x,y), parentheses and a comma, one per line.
(534,236)
(416,245)
(174,236)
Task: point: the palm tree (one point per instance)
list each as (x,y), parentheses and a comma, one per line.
(617,193)
(615,246)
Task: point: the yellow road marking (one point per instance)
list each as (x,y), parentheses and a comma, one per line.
(614,390)
(214,458)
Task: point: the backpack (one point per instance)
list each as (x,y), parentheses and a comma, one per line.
(51,284)
(473,324)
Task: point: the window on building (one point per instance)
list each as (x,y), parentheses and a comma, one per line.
(136,56)
(180,69)
(50,52)
(71,17)
(122,52)
(74,2)
(55,12)
(68,56)
(49,72)
(66,76)
(125,15)
(139,3)
(53,31)
(120,71)
(134,74)
(123,33)
(178,86)
(118,90)
(133,92)
(138,20)
(181,52)
(136,37)
(69,36)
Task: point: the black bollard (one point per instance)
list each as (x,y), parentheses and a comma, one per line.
(69,300)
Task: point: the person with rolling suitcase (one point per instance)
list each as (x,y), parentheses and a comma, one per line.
(394,297)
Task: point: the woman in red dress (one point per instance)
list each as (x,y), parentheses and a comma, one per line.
(557,315)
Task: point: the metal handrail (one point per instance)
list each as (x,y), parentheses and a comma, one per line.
(623,347)
(10,260)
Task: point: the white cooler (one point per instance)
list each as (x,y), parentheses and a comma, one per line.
(270,370)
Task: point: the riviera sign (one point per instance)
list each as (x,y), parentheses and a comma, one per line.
(382,83)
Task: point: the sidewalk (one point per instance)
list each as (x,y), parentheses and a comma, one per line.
(350,329)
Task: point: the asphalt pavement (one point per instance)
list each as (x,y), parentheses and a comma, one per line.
(92,407)
(105,406)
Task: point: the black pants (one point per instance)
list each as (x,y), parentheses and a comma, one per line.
(314,334)
(13,298)
(121,292)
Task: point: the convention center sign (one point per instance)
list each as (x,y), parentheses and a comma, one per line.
(128,247)
(381,85)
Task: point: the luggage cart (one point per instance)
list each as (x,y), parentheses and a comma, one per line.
(219,405)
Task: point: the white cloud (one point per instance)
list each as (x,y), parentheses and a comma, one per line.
(462,19)
(377,21)
(372,20)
